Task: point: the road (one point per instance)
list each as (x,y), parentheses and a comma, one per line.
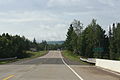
(52,67)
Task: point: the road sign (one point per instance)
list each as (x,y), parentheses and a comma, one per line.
(98,49)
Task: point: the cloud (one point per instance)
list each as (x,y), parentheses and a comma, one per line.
(16,17)
(6,1)
(82,5)
(50,19)
(52,3)
(41,25)
(49,33)
(108,2)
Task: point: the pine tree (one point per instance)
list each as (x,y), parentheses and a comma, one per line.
(94,37)
(114,42)
(69,38)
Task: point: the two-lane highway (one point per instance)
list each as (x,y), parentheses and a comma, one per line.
(52,67)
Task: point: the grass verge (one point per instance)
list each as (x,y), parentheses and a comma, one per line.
(73,57)
(36,54)
(31,56)
(7,61)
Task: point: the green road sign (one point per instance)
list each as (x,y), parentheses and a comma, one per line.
(98,49)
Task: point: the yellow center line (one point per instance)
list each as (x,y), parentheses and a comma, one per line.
(8,77)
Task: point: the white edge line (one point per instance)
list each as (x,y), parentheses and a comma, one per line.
(108,71)
(72,69)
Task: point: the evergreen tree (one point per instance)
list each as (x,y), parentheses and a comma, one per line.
(13,46)
(114,41)
(95,38)
(34,41)
(69,38)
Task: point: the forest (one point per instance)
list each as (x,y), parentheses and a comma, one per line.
(16,46)
(90,41)
(93,41)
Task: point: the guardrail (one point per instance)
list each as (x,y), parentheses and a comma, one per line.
(4,59)
(89,60)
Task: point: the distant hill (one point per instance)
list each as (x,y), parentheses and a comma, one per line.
(55,42)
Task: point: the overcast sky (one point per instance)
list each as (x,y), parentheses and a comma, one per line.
(50,19)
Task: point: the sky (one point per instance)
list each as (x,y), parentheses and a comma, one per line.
(50,19)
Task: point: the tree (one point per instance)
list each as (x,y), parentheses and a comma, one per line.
(93,37)
(42,46)
(74,43)
(77,34)
(114,38)
(13,46)
(78,26)
(69,38)
(34,41)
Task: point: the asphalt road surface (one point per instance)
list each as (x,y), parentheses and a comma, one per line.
(52,67)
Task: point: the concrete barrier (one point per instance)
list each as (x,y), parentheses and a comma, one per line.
(108,64)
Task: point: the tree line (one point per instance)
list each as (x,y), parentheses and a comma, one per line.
(16,46)
(55,46)
(93,42)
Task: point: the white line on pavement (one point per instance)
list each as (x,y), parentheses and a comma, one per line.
(71,69)
(108,71)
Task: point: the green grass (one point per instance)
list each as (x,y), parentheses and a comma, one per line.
(7,61)
(74,57)
(31,56)
(36,54)
(3,62)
